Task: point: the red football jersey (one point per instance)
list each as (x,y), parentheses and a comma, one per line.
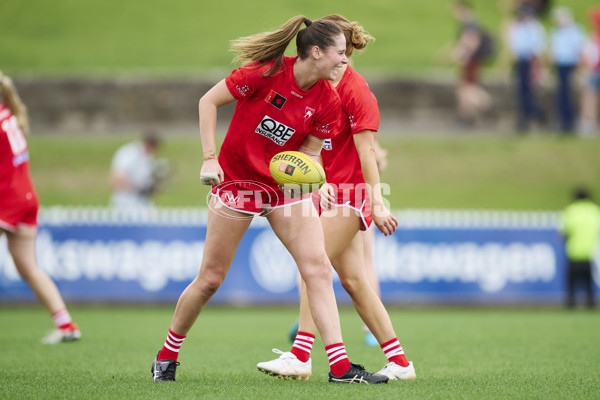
(273,114)
(360,112)
(16,188)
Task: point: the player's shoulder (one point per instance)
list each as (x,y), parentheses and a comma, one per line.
(353,81)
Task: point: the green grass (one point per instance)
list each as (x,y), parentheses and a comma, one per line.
(481,172)
(466,354)
(161,37)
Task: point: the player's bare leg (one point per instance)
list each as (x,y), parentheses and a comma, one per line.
(224,231)
(21,246)
(368,238)
(344,243)
(306,244)
(353,277)
(302,235)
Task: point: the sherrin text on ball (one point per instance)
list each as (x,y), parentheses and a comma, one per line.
(297,171)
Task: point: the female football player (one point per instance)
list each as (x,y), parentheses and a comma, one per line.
(283,103)
(350,202)
(19,208)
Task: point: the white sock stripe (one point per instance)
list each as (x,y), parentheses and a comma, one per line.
(60,313)
(340,358)
(394,352)
(307,338)
(173,344)
(334,349)
(176,350)
(337,353)
(174,339)
(303,343)
(303,348)
(62,320)
(395,343)
(61,317)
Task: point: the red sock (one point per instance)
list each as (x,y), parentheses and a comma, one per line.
(62,320)
(338,359)
(170,350)
(394,353)
(303,345)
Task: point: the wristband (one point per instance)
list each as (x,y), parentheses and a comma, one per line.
(209,155)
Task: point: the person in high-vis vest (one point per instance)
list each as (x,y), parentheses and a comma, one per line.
(581,229)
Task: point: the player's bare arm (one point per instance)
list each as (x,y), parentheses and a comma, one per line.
(365,146)
(218,96)
(311,146)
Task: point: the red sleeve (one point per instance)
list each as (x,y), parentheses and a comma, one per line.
(361,107)
(325,123)
(244,81)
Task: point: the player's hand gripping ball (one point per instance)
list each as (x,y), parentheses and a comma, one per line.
(296,172)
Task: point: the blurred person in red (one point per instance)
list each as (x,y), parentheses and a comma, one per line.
(475,47)
(591,64)
(19,208)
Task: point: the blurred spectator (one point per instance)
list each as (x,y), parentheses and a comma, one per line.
(474,47)
(591,64)
(526,40)
(136,174)
(566,49)
(581,229)
(19,209)
(541,8)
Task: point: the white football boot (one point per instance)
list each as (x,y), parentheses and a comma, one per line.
(394,371)
(286,366)
(62,335)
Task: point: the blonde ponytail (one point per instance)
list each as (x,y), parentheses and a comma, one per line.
(266,46)
(10,98)
(356,36)
(263,47)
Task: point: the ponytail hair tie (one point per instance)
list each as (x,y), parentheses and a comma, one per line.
(307,22)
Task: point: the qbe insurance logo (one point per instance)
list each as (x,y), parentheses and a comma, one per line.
(274,130)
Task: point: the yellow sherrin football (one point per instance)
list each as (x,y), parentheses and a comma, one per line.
(296,170)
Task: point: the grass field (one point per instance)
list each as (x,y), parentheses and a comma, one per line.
(467,354)
(185,37)
(472,171)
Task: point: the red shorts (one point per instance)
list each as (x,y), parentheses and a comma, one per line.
(470,72)
(351,197)
(253,197)
(14,213)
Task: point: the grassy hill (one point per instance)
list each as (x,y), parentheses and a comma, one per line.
(161,37)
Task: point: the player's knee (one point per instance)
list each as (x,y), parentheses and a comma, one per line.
(210,281)
(318,270)
(351,284)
